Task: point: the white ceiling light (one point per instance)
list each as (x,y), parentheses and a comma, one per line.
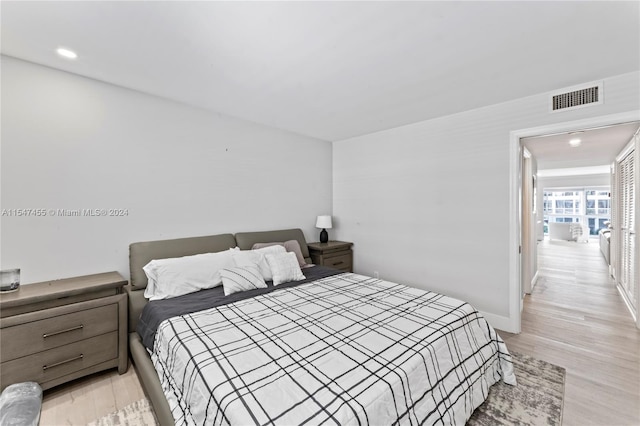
(66,53)
(575,142)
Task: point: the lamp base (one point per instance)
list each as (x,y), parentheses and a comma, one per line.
(324,236)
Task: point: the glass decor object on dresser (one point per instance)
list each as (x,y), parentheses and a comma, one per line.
(10,279)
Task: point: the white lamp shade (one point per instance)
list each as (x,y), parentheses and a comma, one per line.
(323,222)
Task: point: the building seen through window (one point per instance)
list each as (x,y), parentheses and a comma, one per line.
(590,205)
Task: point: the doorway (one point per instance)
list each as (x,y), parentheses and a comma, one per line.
(517,287)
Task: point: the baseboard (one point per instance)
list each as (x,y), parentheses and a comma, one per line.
(534,280)
(499,322)
(627,302)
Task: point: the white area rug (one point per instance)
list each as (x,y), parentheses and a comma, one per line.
(139,413)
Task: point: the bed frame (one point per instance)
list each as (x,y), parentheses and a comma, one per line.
(142,253)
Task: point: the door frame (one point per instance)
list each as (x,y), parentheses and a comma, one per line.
(515,196)
(527,260)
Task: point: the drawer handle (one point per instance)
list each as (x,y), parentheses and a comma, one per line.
(338,263)
(46,367)
(55,333)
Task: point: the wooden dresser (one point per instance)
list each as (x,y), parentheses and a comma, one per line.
(55,331)
(335,254)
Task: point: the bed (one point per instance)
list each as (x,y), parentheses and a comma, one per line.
(335,347)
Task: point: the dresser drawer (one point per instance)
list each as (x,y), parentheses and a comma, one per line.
(36,336)
(53,363)
(342,262)
(56,331)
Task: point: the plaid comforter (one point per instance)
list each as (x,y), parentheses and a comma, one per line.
(346,349)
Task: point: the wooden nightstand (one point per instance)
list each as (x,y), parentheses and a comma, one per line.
(55,331)
(336,254)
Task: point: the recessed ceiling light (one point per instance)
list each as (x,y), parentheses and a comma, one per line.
(66,53)
(575,142)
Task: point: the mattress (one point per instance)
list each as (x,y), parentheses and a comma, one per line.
(341,349)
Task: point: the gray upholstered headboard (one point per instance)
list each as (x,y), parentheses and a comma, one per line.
(144,252)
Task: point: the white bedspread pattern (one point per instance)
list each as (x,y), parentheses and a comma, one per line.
(346,349)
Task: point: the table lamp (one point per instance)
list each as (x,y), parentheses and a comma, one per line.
(324,222)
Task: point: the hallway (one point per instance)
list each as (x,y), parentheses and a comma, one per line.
(576,318)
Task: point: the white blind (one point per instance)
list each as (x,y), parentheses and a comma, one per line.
(626,179)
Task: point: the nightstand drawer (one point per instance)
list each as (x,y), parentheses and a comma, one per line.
(334,254)
(36,336)
(339,262)
(54,363)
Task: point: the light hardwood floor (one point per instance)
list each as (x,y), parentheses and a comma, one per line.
(85,400)
(574,318)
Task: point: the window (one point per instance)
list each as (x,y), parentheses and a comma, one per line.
(567,219)
(589,205)
(603,207)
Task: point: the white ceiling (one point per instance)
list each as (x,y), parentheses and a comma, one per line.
(599,147)
(331,70)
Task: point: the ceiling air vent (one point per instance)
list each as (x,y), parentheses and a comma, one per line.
(577,97)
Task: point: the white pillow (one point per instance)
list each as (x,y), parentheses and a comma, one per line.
(275,249)
(256,257)
(241,278)
(284,267)
(182,275)
(290,245)
(253,258)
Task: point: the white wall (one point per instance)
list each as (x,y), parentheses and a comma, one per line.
(70,142)
(427,204)
(578,181)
